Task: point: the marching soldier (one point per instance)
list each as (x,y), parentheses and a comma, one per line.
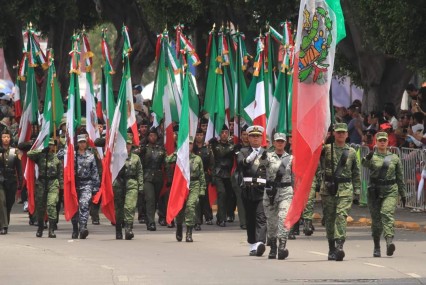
(342,180)
(47,186)
(197,188)
(308,212)
(87,183)
(386,183)
(126,186)
(143,138)
(253,170)
(223,153)
(10,178)
(153,157)
(278,195)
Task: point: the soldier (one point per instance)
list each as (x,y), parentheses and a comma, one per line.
(10,179)
(203,207)
(87,183)
(253,171)
(126,186)
(386,183)
(342,180)
(308,212)
(223,153)
(278,195)
(143,138)
(47,186)
(197,188)
(153,157)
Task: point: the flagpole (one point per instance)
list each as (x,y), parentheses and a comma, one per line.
(52,85)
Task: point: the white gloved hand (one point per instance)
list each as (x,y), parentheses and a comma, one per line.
(424,173)
(252,156)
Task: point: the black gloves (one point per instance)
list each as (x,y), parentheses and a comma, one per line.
(25,146)
(369,155)
(264,154)
(237,147)
(404,201)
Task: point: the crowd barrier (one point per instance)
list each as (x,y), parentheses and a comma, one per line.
(413,161)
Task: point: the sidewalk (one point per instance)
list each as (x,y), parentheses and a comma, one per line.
(360,216)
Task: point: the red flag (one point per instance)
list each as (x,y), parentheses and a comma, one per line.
(212,194)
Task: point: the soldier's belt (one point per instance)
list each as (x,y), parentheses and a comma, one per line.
(338,180)
(84,179)
(382,182)
(47,177)
(254,180)
(282,184)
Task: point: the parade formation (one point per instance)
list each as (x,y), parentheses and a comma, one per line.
(264,150)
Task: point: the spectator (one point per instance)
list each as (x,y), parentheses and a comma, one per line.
(387,127)
(419,105)
(412,92)
(355,126)
(403,126)
(389,113)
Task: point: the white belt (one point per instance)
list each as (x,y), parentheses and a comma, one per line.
(254,180)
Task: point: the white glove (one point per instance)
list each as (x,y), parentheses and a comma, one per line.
(424,173)
(252,156)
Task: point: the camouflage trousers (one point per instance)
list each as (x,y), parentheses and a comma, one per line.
(335,211)
(382,212)
(84,196)
(125,203)
(188,211)
(46,198)
(309,208)
(275,217)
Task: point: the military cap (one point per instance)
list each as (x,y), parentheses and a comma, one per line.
(144,122)
(6,132)
(81,138)
(244,128)
(191,139)
(176,128)
(382,135)
(255,130)
(199,131)
(225,127)
(340,127)
(129,141)
(51,141)
(63,121)
(280,136)
(203,121)
(153,130)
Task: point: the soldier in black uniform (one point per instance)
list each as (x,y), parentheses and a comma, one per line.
(223,153)
(10,178)
(253,171)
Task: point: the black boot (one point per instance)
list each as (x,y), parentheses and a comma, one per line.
(273,244)
(52,224)
(390,247)
(128,232)
(197,227)
(308,228)
(188,234)
(296,228)
(179,232)
(74,231)
(340,254)
(282,251)
(118,231)
(376,252)
(40,228)
(291,234)
(84,232)
(331,249)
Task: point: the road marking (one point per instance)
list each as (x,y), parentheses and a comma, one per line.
(374,265)
(107,267)
(414,275)
(318,253)
(122,278)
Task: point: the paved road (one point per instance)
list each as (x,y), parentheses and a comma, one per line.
(217,256)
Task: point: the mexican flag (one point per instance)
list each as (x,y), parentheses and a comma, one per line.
(313,68)
(180,187)
(108,103)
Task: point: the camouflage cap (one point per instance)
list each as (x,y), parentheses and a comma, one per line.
(255,130)
(129,141)
(381,135)
(280,136)
(81,138)
(191,139)
(51,141)
(340,127)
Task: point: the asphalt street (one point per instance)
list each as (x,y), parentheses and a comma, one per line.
(217,256)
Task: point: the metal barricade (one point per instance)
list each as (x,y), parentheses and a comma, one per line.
(412,164)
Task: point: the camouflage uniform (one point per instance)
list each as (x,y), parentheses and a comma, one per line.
(308,212)
(224,159)
(49,180)
(87,182)
(10,178)
(203,207)
(383,195)
(153,157)
(336,207)
(276,208)
(129,182)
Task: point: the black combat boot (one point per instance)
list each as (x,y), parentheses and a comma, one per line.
(282,251)
(74,231)
(390,247)
(179,232)
(197,227)
(118,231)
(188,234)
(128,232)
(273,244)
(308,228)
(376,252)
(52,224)
(331,249)
(291,234)
(40,228)
(84,232)
(340,254)
(296,228)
